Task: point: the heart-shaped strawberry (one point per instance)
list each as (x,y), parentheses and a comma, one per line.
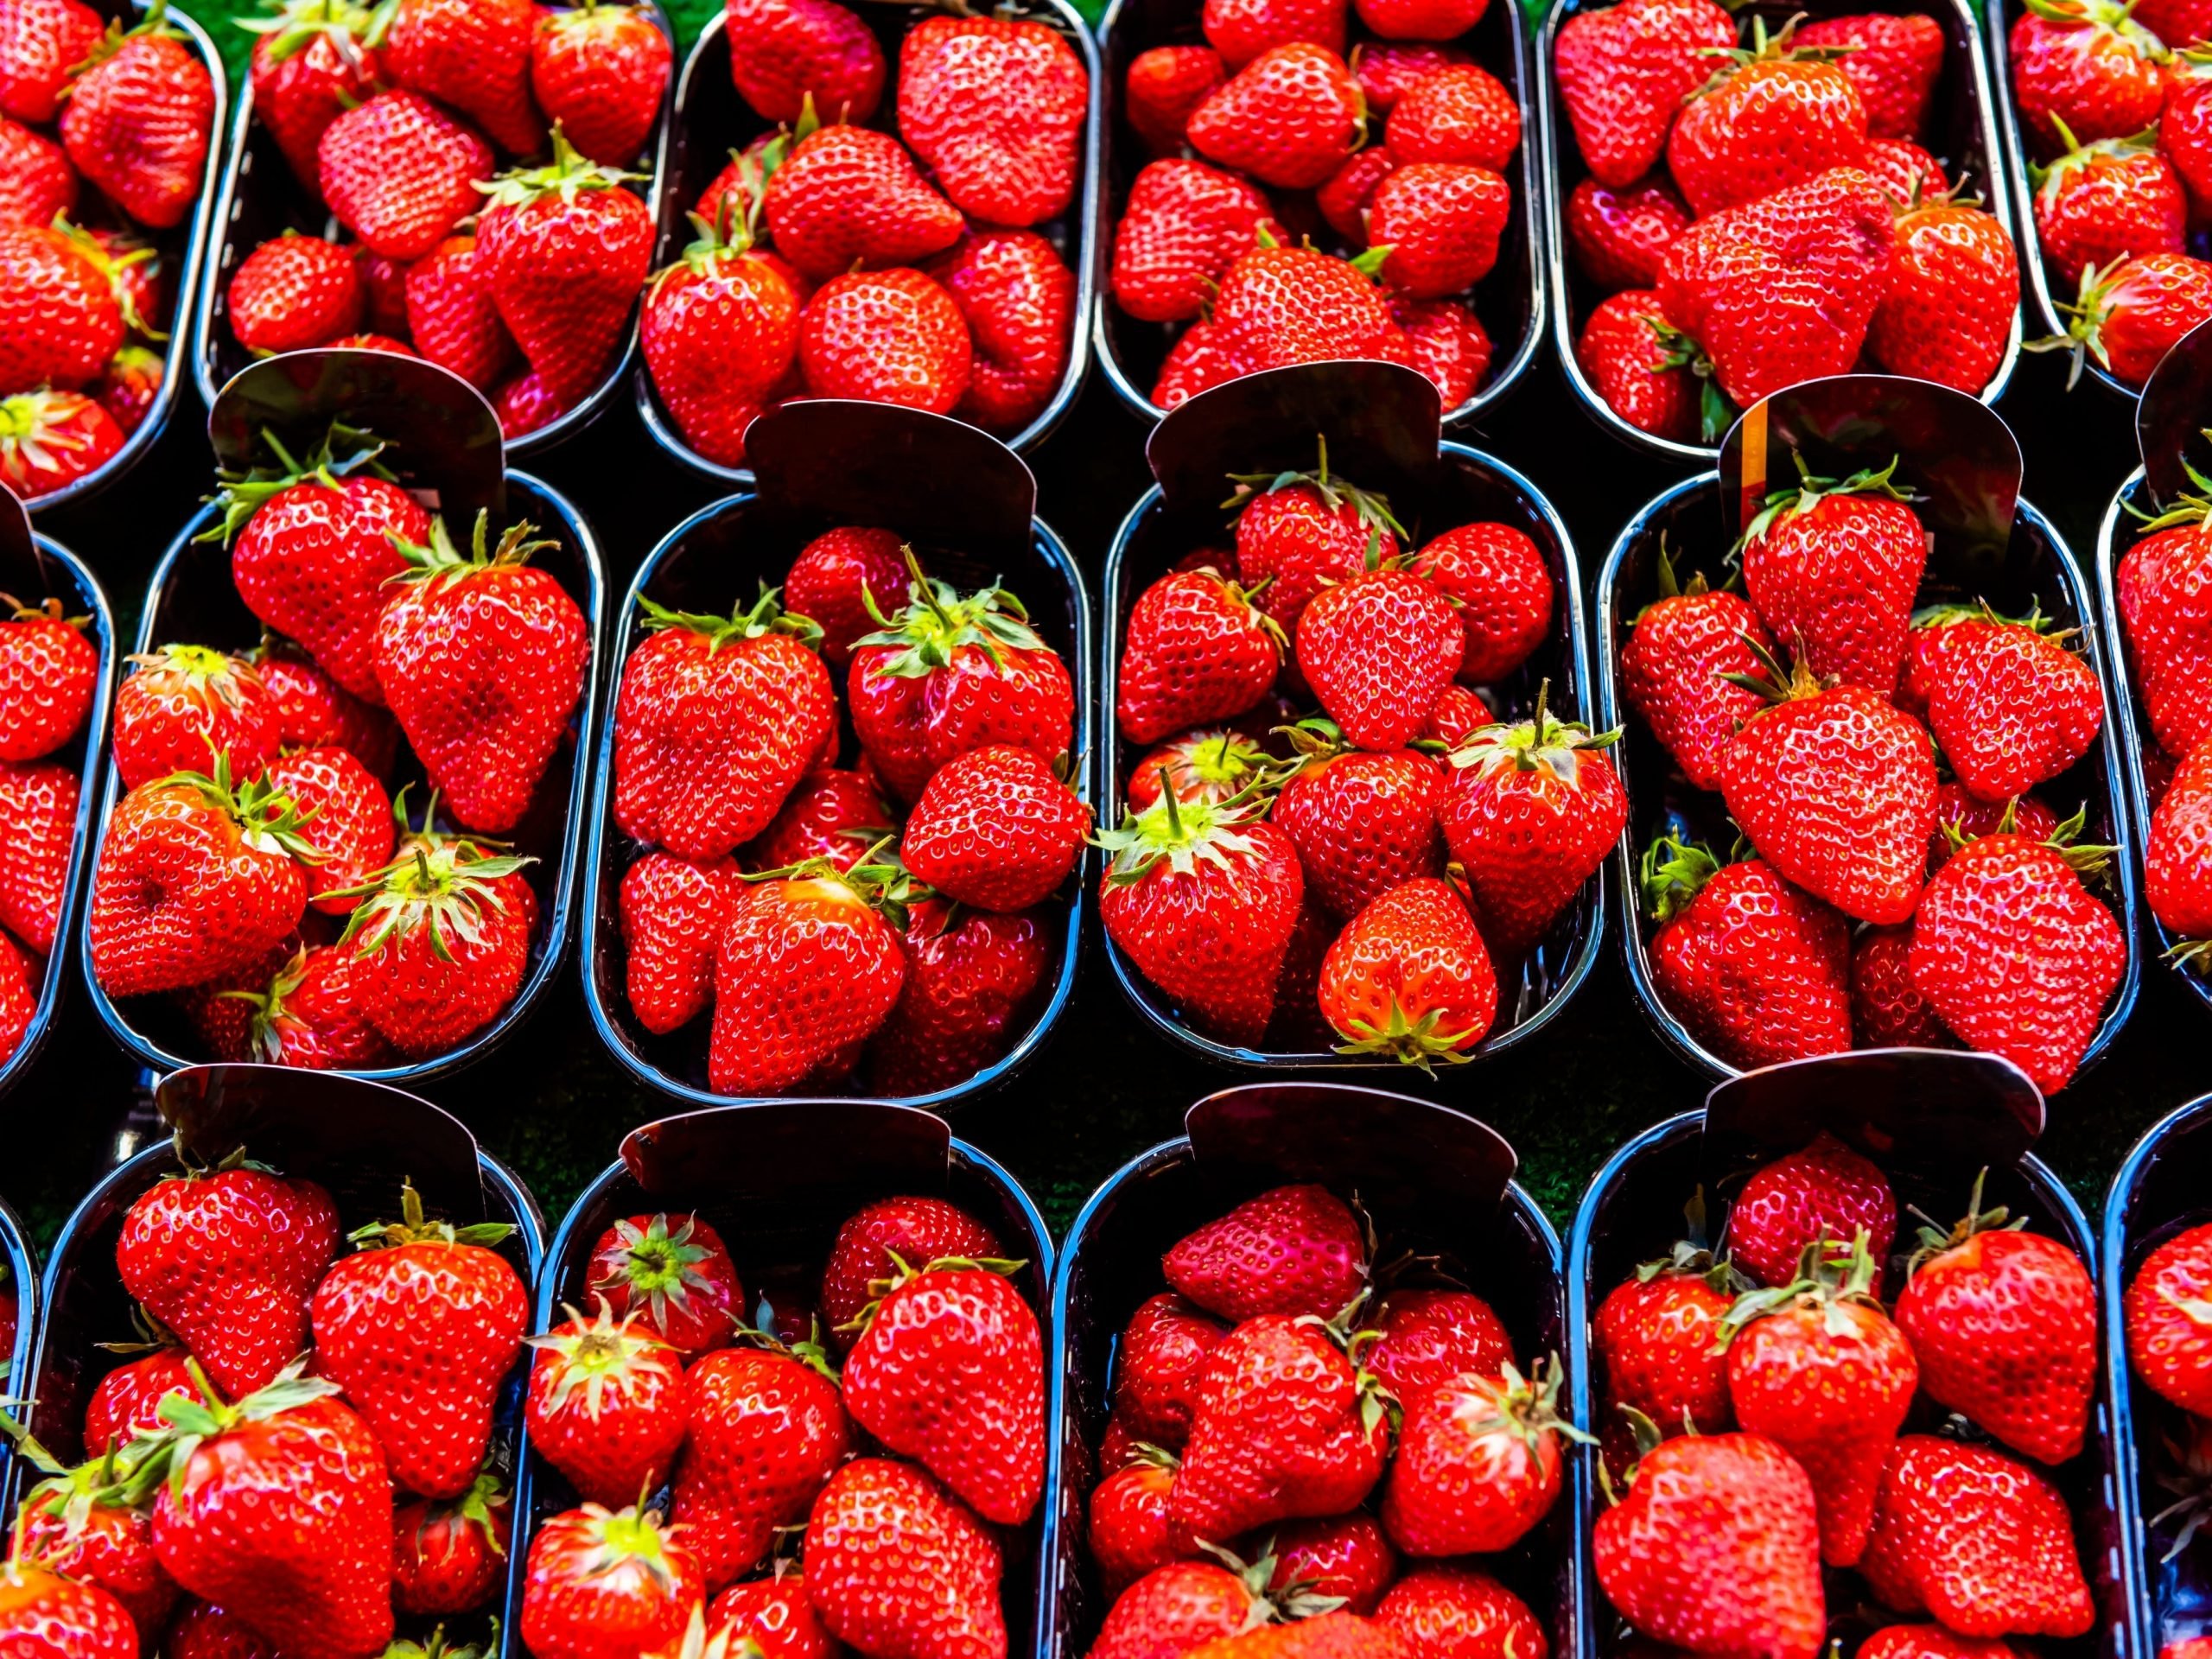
(1624,72)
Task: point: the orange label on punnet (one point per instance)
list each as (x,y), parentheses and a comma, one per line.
(1753,486)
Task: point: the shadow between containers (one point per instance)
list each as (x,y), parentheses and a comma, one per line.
(1424,1169)
(1967,139)
(51,569)
(191,599)
(1931,1119)
(261,198)
(188,249)
(777,1180)
(1130,352)
(357,1138)
(1690,515)
(706,97)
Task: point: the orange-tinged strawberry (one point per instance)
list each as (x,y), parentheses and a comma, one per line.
(677,1272)
(1163,89)
(400,173)
(1455,1613)
(138,121)
(1623,71)
(1462,114)
(887,337)
(1953,286)
(599,73)
(1478,1463)
(994,107)
(785,53)
(995,829)
(766,1430)
(451,1557)
(602,1585)
(850,193)
(1290,118)
(474,57)
(1410,977)
(41,41)
(896,1564)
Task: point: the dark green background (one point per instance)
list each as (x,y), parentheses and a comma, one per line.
(556,1104)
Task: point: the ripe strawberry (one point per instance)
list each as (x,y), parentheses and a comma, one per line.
(783,52)
(2185,140)
(1974,818)
(1018,299)
(1409,977)
(1362,823)
(2130,316)
(2178,858)
(138,121)
(1982,1542)
(1724,285)
(894,1565)
(1164,89)
(716,721)
(1299,532)
(806,970)
(126,1402)
(1887,1010)
(1893,64)
(766,1430)
(1283,306)
(776,1614)
(951,672)
(1127,1531)
(676,1273)
(2165,1320)
(295,291)
(2086,63)
(2165,606)
(843,580)
(1455,1613)
(598,72)
(1619,238)
(996,829)
(19,998)
(451,1557)
(1623,71)
(475,58)
(1347,1555)
(1428,1337)
(1826,1191)
(1498,581)
(1953,286)
(524,404)
(306,1014)
(482,658)
(1332,1636)
(720,329)
(346,821)
(1640,367)
(452,317)
(887,337)
(1716,1549)
(1441,222)
(1680,648)
(1478,1463)
(41,41)
(1832,568)
(36,181)
(1906,173)
(1344,199)
(1198,648)
(400,173)
(673,911)
(2012,707)
(59,319)
(82,1523)
(1005,158)
(184,703)
(1240,31)
(972,978)
(1204,899)
(312,62)
(828,814)
(47,671)
(2176,23)
(1285,1427)
(1161,1358)
(607,1585)
(850,193)
(313,712)
(50,439)
(2103,201)
(1179,1605)
(1290,118)
(912,1229)
(1932,1641)
(1655,1340)
(1378,649)
(1461,114)
(40,1610)
(1296,1250)
(1199,360)
(1213,765)
(1388,69)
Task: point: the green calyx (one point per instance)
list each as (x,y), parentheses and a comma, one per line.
(436,881)
(268,818)
(1784,505)
(1373,509)
(1266,1605)
(51,610)
(440,563)
(156,22)
(809,1350)
(2189,507)
(436,1647)
(1935,1239)
(567,175)
(724,1644)
(347,26)
(412,1228)
(2111,16)
(166,1452)
(1220,762)
(1541,743)
(1773,680)
(1671,872)
(2048,178)
(1829,1278)
(345,452)
(903,1273)
(599,1357)
(2086,318)
(938,620)
(1421,1041)
(1528,1407)
(659,1269)
(1678,351)
(1692,1256)
(1180,834)
(1780,47)
(765,616)
(878,880)
(633,1538)
(115,264)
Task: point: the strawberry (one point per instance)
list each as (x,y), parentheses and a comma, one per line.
(566,249)
(602,1585)
(766,1430)
(971,977)
(292,292)
(608,1404)
(125,393)
(2104,200)
(41,41)
(598,72)
(1724,284)
(19,998)
(1332,1636)
(346,821)
(1296,1250)
(1199,359)
(1455,1613)
(1204,899)
(1906,172)
(677,1271)
(887,337)
(1198,648)
(785,51)
(1240,31)
(1427,1336)
(1348,1556)
(482,658)
(673,911)
(806,970)
(1478,1463)
(1299,532)
(1461,114)
(139,120)
(1388,69)
(1655,1337)
(1893,63)
(204,1632)
(1624,72)
(2086,63)
(1163,90)
(1887,1010)
(1128,1521)
(828,814)
(313,712)
(1018,299)
(2165,607)
(1972,818)
(474,57)
(41,1611)
(2012,707)
(82,1524)
(912,1229)
(2176,23)
(951,672)
(1441,222)
(716,721)
(1982,1542)
(2016,956)
(1497,579)
(1289,117)
(1836,790)
(50,439)
(306,1014)
(1004,158)
(195,878)
(1832,568)
(59,319)
(1680,648)
(1283,306)
(1619,238)
(439,940)
(1409,977)
(1630,355)
(1932,1641)
(1378,649)
(47,671)
(1716,1549)
(995,829)
(400,173)
(451,1557)
(894,1565)
(525,404)
(312,62)
(36,181)
(721,329)
(2004,1324)
(2185,140)
(1344,199)
(2178,858)
(1163,1351)
(776,1614)
(452,317)
(185,702)
(126,1402)
(1824,1191)
(1179,1605)
(847,193)
(1362,823)
(2164,1315)
(1953,286)
(1285,1427)
(843,580)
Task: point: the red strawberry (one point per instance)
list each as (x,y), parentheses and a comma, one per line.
(311,63)
(1388,69)
(1972,819)
(185,703)
(1655,1337)
(1893,63)
(1982,1542)
(1240,31)
(2165,1327)
(1283,306)
(400,173)
(1824,1191)
(1724,286)
(1441,222)
(1289,117)
(1332,1636)
(1198,648)
(1833,568)
(346,821)
(847,193)
(843,580)
(1497,579)
(1429,1336)
(1344,199)
(59,319)
(525,404)
(971,977)
(1679,647)
(1294,1250)
(828,814)
(1018,298)
(474,56)
(776,1615)
(41,1610)
(39,805)
(1377,650)
(1639,366)
(721,330)
(2185,140)
(139,119)
(2015,954)
(894,1565)
(451,1557)
(83,1523)
(2165,606)
(1299,532)
(1164,89)
(1005,158)
(1461,114)
(2088,64)
(1128,1521)
(888,337)
(306,1014)
(1409,977)
(2177,857)
(1623,71)
(677,1272)
(41,41)
(125,393)
(452,316)
(1454,1613)
(292,292)
(1932,1641)
(673,911)
(127,1400)
(1345,1555)
(314,713)
(1886,1011)
(19,998)
(2012,707)
(2103,201)
(1478,1463)
(36,181)
(1180,1605)
(1716,1549)
(598,72)
(1163,1352)
(607,1585)
(1620,236)
(996,829)
(204,1632)
(783,52)
(1198,360)
(1906,172)
(1954,288)
(1362,823)
(716,721)
(912,1228)
(766,1431)
(2176,22)
(50,439)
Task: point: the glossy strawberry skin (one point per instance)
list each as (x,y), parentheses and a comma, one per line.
(837,576)
(1528,836)
(1770,124)
(400,173)
(1278,306)
(783,50)
(1954,287)
(1127,1530)
(1619,238)
(1195,651)
(2164,586)
(1465,1478)
(1413,956)
(995,829)
(446,1561)
(912,725)
(889,337)
(608,1408)
(877,1526)
(1655,1339)
(672,909)
(805,972)
(1378,649)
(1018,298)
(1678,648)
(2166,1343)
(847,193)
(349,821)
(1894,66)
(430,987)
(677,1272)
(1163,88)
(565,274)
(600,74)
(1290,118)
(1458,1613)
(48,670)
(293,292)
(1362,824)
(1624,72)
(720,332)
(2178,853)
(2106,202)
(2099,77)
(1461,114)
(1632,372)
(775,1612)
(19,997)
(59,320)
(1296,1250)
(1297,542)
(1825,1188)
(1177,1607)
(1388,69)
(2138,314)
(128,1399)
(41,41)
(298,94)
(830,813)
(1341,1555)
(39,803)
(1756,969)
(2013,708)
(1158,1367)
(1005,159)
(767,1431)
(598,1585)
(475,58)
(451,316)
(1887,1011)
(1836,582)
(138,125)
(917,1229)
(1441,221)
